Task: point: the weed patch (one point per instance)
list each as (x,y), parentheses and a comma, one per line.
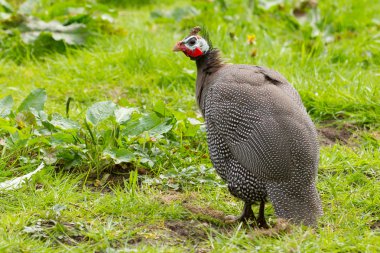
(26,35)
(110,138)
(69,233)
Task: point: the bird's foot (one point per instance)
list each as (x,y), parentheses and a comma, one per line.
(229,219)
(245,217)
(261,223)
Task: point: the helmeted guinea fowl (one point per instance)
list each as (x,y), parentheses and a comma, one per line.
(261,140)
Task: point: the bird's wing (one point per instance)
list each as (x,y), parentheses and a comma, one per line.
(255,119)
(277,79)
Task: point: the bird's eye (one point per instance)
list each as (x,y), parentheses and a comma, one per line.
(192,41)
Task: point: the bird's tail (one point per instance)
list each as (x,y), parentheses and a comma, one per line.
(300,205)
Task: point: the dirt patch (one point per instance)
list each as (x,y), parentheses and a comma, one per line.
(203,212)
(189,229)
(206,211)
(114,177)
(217,219)
(375,225)
(193,232)
(135,241)
(190,234)
(281,227)
(73,240)
(330,134)
(376,135)
(169,197)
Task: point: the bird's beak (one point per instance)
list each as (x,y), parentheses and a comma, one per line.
(178,46)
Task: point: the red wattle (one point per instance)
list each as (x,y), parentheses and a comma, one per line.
(194,53)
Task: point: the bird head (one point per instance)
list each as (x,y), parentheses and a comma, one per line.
(193,45)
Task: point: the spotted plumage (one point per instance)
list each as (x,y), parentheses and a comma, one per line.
(261,140)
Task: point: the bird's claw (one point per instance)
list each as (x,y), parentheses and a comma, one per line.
(229,219)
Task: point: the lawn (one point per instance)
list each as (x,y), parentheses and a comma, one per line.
(115,123)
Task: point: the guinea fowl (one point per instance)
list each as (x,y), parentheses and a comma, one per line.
(260,138)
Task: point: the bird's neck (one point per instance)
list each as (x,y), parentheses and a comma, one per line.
(209,62)
(207,65)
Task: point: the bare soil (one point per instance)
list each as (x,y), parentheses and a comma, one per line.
(189,229)
(186,201)
(191,234)
(280,227)
(205,211)
(331,133)
(113,177)
(375,225)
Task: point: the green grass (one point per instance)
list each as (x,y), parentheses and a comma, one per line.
(177,206)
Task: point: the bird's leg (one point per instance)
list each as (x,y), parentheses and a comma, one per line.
(246,215)
(261,219)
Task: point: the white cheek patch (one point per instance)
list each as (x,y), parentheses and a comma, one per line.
(200,43)
(203,45)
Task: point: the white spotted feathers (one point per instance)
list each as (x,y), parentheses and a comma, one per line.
(261,140)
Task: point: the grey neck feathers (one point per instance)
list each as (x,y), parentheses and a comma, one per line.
(207,65)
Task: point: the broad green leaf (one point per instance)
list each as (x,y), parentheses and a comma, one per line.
(36,99)
(180,13)
(25,119)
(143,124)
(177,14)
(161,128)
(61,138)
(71,155)
(119,155)
(73,34)
(107,17)
(268,4)
(59,121)
(15,142)
(194,122)
(161,109)
(188,128)
(148,122)
(6,106)
(9,129)
(30,36)
(147,161)
(48,125)
(37,140)
(39,115)
(27,7)
(151,122)
(6,6)
(4,16)
(72,38)
(41,118)
(100,111)
(123,114)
